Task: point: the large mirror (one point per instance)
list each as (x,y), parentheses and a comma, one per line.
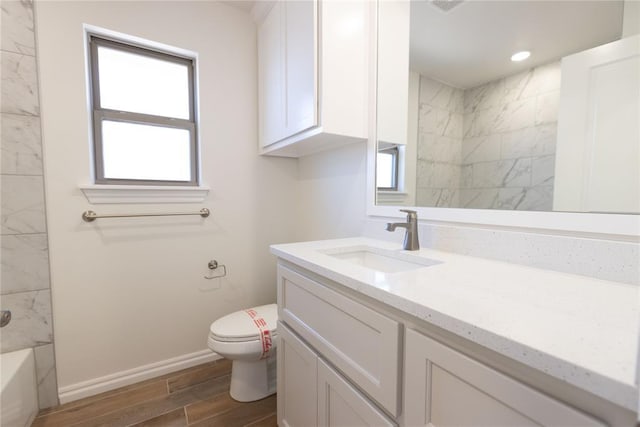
(462,125)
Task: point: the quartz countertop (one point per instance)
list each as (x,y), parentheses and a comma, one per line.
(580,330)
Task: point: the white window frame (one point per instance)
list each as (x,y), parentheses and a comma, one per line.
(142,191)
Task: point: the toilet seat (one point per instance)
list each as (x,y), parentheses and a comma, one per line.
(246,325)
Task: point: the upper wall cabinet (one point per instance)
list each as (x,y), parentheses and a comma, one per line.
(313,74)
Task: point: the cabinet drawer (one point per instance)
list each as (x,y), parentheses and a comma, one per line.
(363,344)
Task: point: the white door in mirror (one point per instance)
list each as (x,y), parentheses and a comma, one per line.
(598,149)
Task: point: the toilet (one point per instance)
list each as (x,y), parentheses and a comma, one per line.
(248,338)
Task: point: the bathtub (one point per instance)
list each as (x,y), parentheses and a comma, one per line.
(19,395)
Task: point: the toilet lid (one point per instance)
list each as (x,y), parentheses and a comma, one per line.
(246,325)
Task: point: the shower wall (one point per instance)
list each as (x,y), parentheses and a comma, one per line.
(492,146)
(440,131)
(508,149)
(24,275)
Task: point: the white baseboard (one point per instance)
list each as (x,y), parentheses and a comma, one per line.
(131,376)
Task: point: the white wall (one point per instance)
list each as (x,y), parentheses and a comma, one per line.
(411,150)
(131,292)
(631,18)
(332,193)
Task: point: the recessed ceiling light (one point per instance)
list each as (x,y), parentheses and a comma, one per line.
(520,56)
(446,5)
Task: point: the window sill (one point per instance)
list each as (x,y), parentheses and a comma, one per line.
(389,197)
(118,194)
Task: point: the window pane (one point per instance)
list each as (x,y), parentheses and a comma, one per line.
(134,151)
(384,165)
(141,84)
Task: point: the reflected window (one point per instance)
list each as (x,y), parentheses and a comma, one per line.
(144,124)
(387,168)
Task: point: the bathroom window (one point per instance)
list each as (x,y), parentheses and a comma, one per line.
(387,168)
(144,125)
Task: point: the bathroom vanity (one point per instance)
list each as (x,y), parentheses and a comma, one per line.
(374,335)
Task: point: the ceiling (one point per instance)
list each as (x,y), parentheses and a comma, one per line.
(472,43)
(465,43)
(245,5)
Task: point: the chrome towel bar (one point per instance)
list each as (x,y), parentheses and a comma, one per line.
(90,216)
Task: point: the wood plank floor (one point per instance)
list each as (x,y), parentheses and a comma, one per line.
(197,397)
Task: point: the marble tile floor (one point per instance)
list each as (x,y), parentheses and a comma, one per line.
(194,397)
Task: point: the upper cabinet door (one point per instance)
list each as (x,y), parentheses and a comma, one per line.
(271,76)
(300,59)
(287,70)
(313,66)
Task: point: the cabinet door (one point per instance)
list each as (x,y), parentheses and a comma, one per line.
(287,70)
(340,404)
(271,76)
(297,381)
(301,43)
(446,388)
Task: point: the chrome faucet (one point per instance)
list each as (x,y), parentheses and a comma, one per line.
(411,242)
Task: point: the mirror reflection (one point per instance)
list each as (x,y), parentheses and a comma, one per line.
(462,125)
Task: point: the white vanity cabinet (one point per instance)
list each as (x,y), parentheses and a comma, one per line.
(443,387)
(347,359)
(312,75)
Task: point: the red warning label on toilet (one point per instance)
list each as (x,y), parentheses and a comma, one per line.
(264,333)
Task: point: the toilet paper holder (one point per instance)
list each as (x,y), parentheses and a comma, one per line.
(213,266)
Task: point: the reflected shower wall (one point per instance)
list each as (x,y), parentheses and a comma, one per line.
(440,136)
(492,146)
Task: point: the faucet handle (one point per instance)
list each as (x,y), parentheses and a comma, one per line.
(410,213)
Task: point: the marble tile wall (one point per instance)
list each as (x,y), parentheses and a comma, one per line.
(489,147)
(508,147)
(24,273)
(440,128)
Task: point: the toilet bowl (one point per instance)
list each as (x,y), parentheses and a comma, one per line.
(249,339)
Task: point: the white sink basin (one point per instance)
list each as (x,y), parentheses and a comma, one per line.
(382,260)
